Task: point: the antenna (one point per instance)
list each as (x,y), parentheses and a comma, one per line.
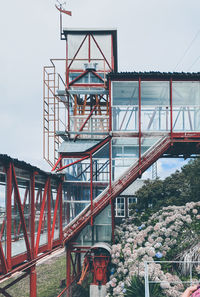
(62,10)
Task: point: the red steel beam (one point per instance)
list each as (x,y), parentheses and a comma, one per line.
(33,209)
(49,216)
(25,198)
(68,165)
(3,260)
(55,212)
(101,52)
(61,212)
(140,124)
(9,214)
(89,116)
(91,188)
(59,159)
(41,215)
(21,213)
(171,109)
(78,51)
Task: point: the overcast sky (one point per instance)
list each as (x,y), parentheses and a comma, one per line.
(153,35)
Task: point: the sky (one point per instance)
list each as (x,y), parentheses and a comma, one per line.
(153,35)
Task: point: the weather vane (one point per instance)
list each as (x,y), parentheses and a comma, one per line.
(62,10)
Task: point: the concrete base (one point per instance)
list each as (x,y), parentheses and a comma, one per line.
(95,292)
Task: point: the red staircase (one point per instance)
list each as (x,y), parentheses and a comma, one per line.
(135,171)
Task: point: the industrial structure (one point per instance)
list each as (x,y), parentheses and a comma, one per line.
(102,130)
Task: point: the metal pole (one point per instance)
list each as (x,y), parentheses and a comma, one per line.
(146,280)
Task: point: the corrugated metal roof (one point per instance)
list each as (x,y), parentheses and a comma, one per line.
(155,75)
(5,159)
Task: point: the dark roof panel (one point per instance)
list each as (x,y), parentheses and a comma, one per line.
(5,159)
(154,75)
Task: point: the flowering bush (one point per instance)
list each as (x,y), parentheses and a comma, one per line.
(162,237)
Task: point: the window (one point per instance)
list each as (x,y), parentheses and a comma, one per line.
(131,200)
(120,207)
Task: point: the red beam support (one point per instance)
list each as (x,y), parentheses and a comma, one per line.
(33,274)
(25,198)
(110,108)
(113,220)
(61,213)
(54,167)
(89,48)
(110,167)
(101,52)
(171,109)
(91,188)
(21,213)
(77,51)
(41,215)
(68,165)
(49,216)
(55,212)
(32,199)
(9,213)
(33,281)
(3,260)
(89,116)
(68,272)
(140,134)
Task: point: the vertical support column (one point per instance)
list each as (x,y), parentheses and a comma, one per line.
(68,266)
(78,263)
(33,274)
(67,68)
(61,212)
(171,109)
(33,281)
(8,214)
(139,117)
(49,214)
(146,279)
(32,193)
(89,48)
(113,220)
(112,55)
(91,188)
(110,110)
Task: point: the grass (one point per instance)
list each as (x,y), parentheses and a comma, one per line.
(49,276)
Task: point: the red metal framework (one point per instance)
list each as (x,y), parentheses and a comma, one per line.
(21,222)
(76,101)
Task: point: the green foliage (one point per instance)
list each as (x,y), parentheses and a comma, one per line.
(137,288)
(177,189)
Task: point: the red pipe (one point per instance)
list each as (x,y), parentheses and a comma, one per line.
(68,165)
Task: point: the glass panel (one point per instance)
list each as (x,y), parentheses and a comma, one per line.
(125,93)
(125,152)
(76,197)
(186,93)
(18,241)
(125,118)
(147,143)
(155,101)
(101,231)
(131,200)
(186,106)
(186,118)
(120,207)
(155,93)
(155,118)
